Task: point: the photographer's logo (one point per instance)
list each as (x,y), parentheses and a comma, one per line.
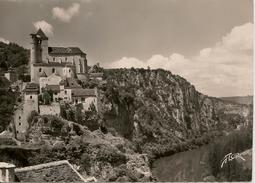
(230,157)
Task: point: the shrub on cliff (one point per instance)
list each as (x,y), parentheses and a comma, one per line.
(107,154)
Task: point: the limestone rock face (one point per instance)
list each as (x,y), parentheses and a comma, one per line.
(156,107)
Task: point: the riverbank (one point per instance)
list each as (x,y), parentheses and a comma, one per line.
(191,145)
(203,164)
(183,166)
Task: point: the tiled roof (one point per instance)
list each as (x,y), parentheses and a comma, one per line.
(83,92)
(54,88)
(70,83)
(57,171)
(55,64)
(32,88)
(65,50)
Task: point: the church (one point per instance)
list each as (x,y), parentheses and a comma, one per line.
(58,70)
(67,62)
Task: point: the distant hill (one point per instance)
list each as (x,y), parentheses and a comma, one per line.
(239,99)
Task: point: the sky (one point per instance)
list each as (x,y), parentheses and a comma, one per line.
(208,42)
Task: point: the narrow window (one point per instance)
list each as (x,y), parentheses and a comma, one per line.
(31,97)
(53,70)
(40,69)
(19,124)
(17,131)
(69,70)
(19,117)
(66,58)
(65,92)
(54,59)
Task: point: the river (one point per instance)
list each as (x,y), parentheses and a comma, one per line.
(184,166)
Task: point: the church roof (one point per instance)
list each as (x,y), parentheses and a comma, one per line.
(54,64)
(41,34)
(57,171)
(65,51)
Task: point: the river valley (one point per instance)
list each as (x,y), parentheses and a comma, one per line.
(183,166)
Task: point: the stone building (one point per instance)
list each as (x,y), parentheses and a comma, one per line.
(64,61)
(86,97)
(23,111)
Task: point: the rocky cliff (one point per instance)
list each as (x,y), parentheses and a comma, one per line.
(158,110)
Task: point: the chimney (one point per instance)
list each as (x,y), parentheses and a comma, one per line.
(7,172)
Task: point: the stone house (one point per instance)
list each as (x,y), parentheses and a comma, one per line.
(86,97)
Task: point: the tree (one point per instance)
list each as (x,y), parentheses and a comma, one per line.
(46,98)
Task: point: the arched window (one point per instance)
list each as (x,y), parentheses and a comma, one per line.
(30,97)
(40,69)
(53,70)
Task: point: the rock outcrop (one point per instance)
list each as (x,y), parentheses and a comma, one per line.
(154,108)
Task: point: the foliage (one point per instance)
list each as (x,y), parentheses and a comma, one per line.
(110,155)
(7,102)
(47,97)
(31,117)
(236,142)
(12,55)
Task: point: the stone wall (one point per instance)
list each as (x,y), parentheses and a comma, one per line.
(53,109)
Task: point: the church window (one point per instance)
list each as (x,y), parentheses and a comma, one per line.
(65,92)
(53,58)
(31,97)
(40,69)
(19,124)
(69,70)
(17,131)
(53,70)
(66,58)
(19,117)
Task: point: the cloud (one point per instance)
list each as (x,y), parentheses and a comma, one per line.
(222,70)
(4,40)
(65,15)
(45,26)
